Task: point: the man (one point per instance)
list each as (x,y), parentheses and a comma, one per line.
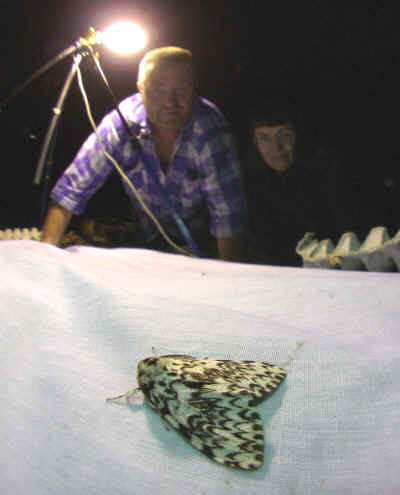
(185,143)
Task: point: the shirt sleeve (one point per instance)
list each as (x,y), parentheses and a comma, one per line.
(90,168)
(223,186)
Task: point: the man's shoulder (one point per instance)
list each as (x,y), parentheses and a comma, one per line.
(208,116)
(132,108)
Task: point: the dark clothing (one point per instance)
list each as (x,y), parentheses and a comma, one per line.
(282,208)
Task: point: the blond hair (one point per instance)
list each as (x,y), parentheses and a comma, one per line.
(162,56)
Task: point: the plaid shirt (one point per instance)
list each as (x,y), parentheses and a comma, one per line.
(203,175)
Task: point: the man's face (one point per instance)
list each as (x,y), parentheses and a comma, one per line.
(167,93)
(276,145)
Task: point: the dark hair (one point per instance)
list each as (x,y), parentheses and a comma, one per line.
(271,113)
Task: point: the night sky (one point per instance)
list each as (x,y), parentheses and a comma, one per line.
(338,64)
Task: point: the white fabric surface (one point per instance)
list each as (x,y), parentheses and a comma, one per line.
(74,324)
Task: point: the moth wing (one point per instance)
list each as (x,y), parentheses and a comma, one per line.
(213,407)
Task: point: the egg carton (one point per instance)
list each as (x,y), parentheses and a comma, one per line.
(20,234)
(378,253)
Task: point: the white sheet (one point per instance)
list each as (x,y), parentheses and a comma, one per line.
(74,324)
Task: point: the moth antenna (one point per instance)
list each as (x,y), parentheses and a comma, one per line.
(127,395)
(292,355)
(110,399)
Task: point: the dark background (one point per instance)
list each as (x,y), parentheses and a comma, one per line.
(338,64)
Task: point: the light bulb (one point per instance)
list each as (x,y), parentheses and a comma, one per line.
(123,37)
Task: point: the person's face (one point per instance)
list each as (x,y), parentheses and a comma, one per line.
(167,93)
(276,144)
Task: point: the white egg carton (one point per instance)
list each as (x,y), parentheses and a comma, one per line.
(378,253)
(20,234)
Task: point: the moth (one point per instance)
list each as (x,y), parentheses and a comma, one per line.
(211,403)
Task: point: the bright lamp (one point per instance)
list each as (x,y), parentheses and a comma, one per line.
(123,37)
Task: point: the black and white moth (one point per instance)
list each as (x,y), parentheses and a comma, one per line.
(211,402)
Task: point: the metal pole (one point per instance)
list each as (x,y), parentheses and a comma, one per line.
(53,123)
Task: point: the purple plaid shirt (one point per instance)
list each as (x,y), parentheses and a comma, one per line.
(203,175)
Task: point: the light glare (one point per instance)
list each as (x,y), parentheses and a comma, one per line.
(124,37)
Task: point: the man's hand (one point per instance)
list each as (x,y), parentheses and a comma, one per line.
(231,248)
(56,223)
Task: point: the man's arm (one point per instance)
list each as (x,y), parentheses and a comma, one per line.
(231,248)
(56,223)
